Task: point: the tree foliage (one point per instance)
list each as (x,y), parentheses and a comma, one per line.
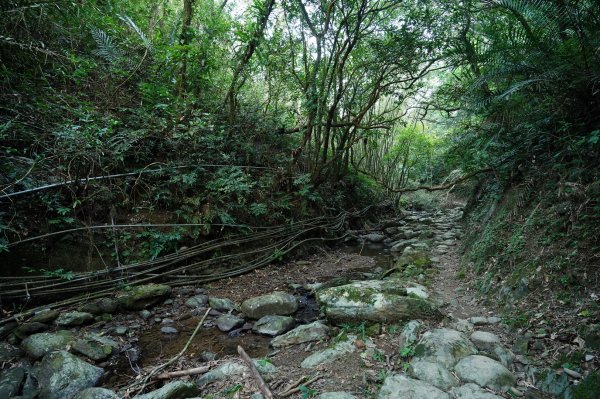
(267,110)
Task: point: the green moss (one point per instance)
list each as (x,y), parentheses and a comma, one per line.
(589,388)
(358,295)
(567,359)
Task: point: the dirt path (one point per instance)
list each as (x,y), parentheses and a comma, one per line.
(373,354)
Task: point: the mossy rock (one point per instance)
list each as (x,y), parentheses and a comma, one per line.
(374,301)
(276,303)
(444,346)
(100,306)
(37,345)
(173,390)
(62,375)
(143,296)
(413,256)
(485,372)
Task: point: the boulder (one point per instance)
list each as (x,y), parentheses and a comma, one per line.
(264,366)
(62,375)
(10,381)
(44,316)
(172,390)
(221,304)
(490,344)
(26,329)
(97,393)
(198,301)
(444,346)
(70,319)
(143,296)
(485,341)
(37,345)
(485,372)
(472,391)
(554,383)
(398,386)
(273,325)
(222,372)
(433,373)
(375,301)
(228,322)
(315,331)
(95,347)
(100,306)
(329,355)
(462,325)
(374,237)
(276,303)
(399,246)
(413,256)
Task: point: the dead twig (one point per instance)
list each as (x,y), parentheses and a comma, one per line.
(297,389)
(262,385)
(181,373)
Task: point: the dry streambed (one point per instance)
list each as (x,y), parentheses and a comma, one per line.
(341,327)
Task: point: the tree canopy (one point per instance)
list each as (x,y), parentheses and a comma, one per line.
(229,111)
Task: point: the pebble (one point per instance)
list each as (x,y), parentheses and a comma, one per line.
(145,314)
(572,373)
(168,330)
(120,330)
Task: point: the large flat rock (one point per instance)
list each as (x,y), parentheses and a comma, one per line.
(143,296)
(399,386)
(37,345)
(375,301)
(276,303)
(485,372)
(444,346)
(315,331)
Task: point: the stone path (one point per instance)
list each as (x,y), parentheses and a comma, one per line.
(410,332)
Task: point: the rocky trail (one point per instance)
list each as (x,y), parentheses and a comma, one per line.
(386,317)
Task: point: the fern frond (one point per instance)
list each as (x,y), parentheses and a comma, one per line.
(106,49)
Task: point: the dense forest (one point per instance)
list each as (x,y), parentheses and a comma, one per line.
(153,137)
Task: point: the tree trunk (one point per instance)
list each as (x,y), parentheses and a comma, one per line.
(184,39)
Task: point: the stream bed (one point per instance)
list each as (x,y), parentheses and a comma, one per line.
(152,346)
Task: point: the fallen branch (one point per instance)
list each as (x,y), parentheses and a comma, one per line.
(295,390)
(262,385)
(427,188)
(294,384)
(443,186)
(181,373)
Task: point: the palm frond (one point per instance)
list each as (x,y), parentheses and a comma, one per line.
(137,30)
